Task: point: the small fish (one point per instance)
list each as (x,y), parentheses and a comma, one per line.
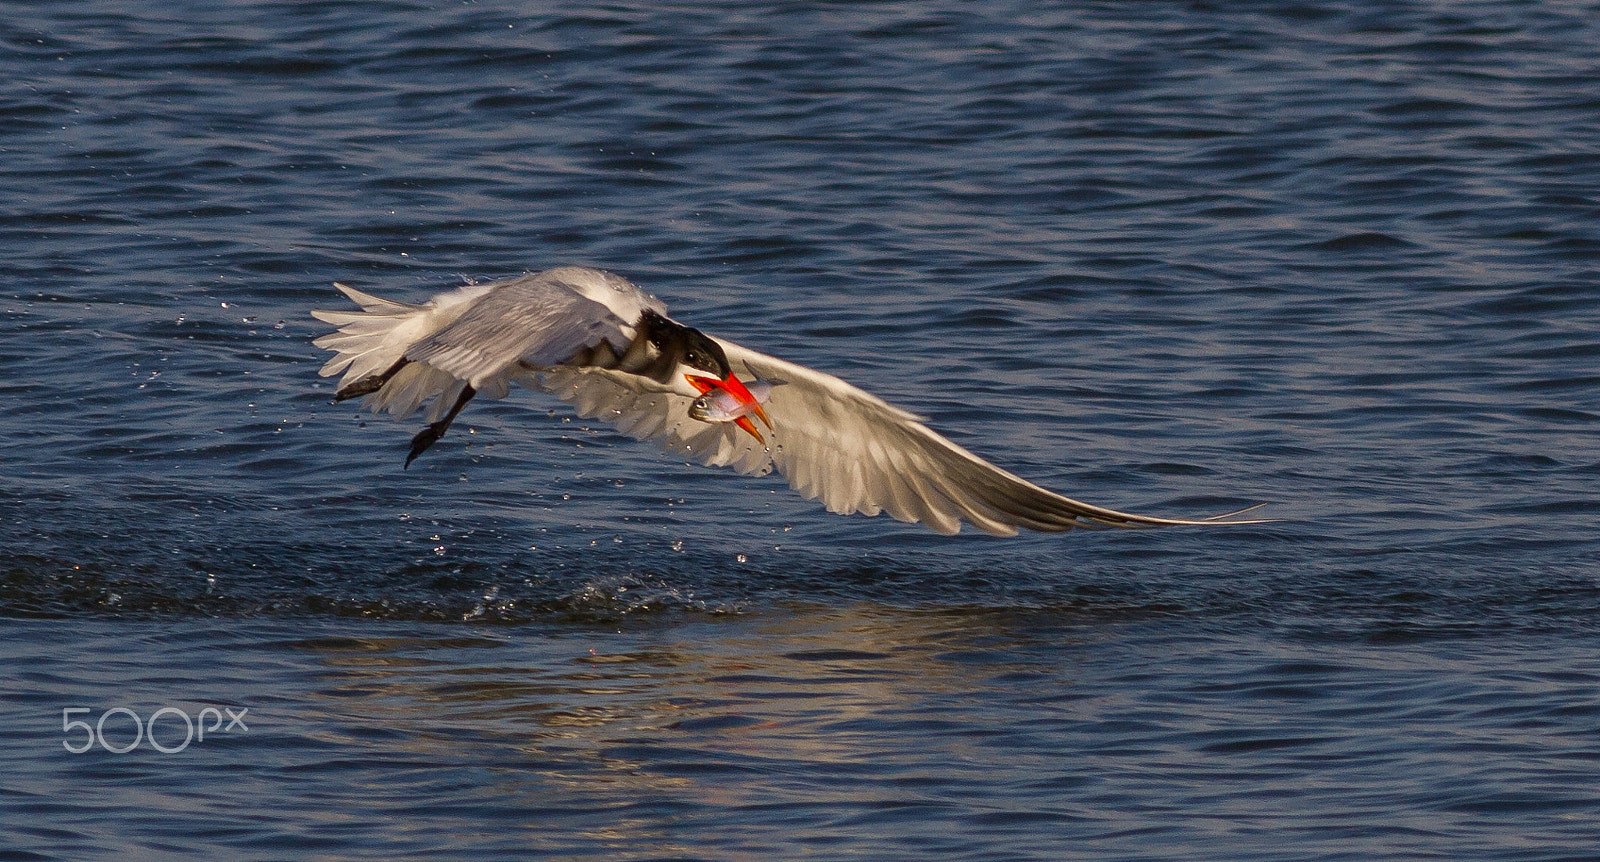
(719,403)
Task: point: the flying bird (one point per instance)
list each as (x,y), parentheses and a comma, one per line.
(594,339)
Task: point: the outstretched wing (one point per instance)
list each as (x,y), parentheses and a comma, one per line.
(845,447)
(538,320)
(400,355)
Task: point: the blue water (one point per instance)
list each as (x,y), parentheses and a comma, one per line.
(1339,258)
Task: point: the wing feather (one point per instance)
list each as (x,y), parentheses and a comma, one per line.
(838,444)
(827,430)
(537,320)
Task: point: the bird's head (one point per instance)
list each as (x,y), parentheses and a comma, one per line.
(702,354)
(702,363)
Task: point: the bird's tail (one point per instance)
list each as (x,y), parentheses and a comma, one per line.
(370,348)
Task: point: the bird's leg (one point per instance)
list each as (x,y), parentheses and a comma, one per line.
(429,435)
(369,384)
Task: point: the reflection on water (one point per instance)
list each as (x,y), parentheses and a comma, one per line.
(803,713)
(797,684)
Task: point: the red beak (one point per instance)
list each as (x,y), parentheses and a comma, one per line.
(731,384)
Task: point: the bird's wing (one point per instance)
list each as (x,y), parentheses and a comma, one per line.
(536,320)
(845,447)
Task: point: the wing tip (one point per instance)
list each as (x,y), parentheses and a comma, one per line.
(1226,519)
(1221,519)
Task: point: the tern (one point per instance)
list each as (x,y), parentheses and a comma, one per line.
(596,340)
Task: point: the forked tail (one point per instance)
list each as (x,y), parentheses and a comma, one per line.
(370,348)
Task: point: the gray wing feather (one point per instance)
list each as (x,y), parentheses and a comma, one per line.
(843,446)
(535,320)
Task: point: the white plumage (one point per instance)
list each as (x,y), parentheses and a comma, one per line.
(555,331)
